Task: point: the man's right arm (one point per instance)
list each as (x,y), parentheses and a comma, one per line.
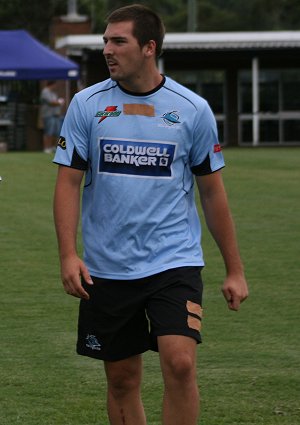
(66,217)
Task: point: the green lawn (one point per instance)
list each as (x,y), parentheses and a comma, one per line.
(249,363)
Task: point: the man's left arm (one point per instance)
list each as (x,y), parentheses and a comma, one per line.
(220,224)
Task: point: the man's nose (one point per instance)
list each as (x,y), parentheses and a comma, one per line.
(107,49)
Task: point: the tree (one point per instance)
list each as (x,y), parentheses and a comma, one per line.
(213,15)
(250,15)
(32,16)
(174,13)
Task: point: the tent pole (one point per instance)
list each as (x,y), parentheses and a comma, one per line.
(68,90)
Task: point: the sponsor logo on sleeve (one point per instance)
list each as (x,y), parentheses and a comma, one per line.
(140,158)
(61,143)
(217,148)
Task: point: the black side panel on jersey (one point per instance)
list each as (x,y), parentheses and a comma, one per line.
(77,162)
(203,168)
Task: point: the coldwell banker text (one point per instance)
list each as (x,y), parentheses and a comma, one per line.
(126,157)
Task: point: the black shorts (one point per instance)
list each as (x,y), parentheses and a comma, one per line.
(124,317)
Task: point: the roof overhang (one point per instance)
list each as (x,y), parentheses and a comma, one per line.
(197,41)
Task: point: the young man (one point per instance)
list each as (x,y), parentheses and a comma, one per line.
(139,137)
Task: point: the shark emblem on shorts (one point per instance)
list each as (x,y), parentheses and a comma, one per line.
(92,342)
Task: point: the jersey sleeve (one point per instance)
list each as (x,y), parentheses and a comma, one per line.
(206,156)
(72,146)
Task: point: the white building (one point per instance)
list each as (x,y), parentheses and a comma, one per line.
(251,79)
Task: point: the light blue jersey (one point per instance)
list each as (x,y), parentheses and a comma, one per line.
(140,153)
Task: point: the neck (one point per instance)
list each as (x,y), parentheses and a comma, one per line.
(142,84)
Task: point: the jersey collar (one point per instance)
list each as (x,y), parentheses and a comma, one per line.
(146,93)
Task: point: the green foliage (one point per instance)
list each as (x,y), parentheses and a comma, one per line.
(236,15)
(248,364)
(213,15)
(31,15)
(173,13)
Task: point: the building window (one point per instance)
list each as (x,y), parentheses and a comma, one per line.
(269,91)
(291,90)
(291,130)
(269,131)
(210,85)
(279,106)
(246,131)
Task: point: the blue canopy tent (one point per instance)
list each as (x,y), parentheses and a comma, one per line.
(23,62)
(24,58)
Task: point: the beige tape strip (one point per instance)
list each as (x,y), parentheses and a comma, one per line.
(194,323)
(194,308)
(138,109)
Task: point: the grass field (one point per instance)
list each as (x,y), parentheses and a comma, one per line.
(249,363)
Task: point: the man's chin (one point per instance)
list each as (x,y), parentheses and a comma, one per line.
(113,76)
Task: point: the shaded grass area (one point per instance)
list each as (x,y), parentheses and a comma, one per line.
(249,362)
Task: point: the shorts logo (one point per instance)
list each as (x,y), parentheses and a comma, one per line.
(92,342)
(139,158)
(171,118)
(62,143)
(110,111)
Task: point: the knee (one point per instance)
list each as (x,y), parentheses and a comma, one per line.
(123,382)
(180,367)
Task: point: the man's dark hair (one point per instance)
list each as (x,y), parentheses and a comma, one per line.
(147,25)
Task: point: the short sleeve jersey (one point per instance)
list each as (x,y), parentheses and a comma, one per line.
(139,154)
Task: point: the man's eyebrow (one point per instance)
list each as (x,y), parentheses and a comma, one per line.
(115,38)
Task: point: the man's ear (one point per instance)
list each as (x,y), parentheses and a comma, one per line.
(150,48)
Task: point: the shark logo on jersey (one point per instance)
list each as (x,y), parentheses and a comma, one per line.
(140,158)
(110,111)
(171,118)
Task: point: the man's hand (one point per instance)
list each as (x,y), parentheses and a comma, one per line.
(72,270)
(235,291)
